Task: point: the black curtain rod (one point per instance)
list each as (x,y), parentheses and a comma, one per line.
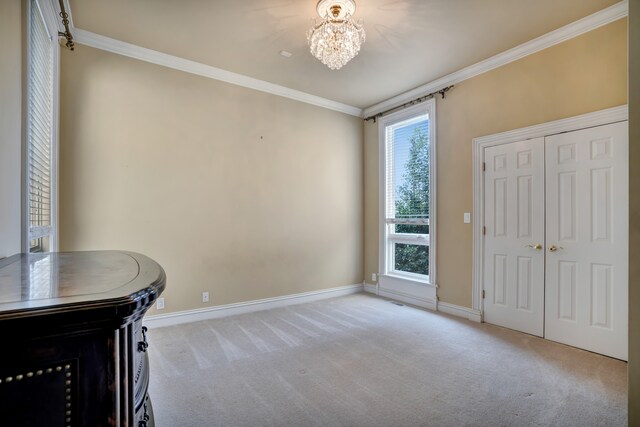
(65,21)
(441,92)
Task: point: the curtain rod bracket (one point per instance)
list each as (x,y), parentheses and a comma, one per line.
(66,33)
(444,91)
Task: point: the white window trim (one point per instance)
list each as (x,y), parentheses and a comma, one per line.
(427,107)
(48,9)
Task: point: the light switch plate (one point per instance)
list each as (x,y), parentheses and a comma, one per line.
(467,217)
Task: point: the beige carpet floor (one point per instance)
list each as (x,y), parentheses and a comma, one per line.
(361,360)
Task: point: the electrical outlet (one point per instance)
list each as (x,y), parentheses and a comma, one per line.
(374,277)
(205,297)
(160,304)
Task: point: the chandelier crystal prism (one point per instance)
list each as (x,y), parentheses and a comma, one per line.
(336,40)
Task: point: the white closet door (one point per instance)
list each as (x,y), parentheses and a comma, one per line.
(586,300)
(514,238)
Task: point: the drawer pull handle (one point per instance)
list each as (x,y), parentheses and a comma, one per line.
(143,345)
(145,417)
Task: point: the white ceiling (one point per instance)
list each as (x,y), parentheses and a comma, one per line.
(409,42)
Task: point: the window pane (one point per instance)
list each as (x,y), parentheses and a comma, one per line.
(411,168)
(412,258)
(39,245)
(411,229)
(39,130)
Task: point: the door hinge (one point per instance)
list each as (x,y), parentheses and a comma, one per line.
(484,230)
(483,294)
(484,166)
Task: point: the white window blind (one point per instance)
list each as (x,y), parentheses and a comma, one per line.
(39,130)
(407,171)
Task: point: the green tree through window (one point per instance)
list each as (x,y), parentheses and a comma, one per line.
(412,202)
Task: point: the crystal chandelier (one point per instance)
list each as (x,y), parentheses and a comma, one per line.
(337,38)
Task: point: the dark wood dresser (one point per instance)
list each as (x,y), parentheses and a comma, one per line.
(74,351)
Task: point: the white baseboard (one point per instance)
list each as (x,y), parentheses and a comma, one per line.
(409,299)
(370,288)
(457,310)
(215,312)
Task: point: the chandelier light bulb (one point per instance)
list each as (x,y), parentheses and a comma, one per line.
(336,40)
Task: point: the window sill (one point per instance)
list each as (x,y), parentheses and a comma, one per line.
(409,280)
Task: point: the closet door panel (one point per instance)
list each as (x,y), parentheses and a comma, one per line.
(514,218)
(586,280)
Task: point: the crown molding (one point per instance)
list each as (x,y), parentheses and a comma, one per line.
(579,27)
(108,44)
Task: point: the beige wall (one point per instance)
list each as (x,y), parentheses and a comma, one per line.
(584,74)
(237,192)
(634,214)
(10,126)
